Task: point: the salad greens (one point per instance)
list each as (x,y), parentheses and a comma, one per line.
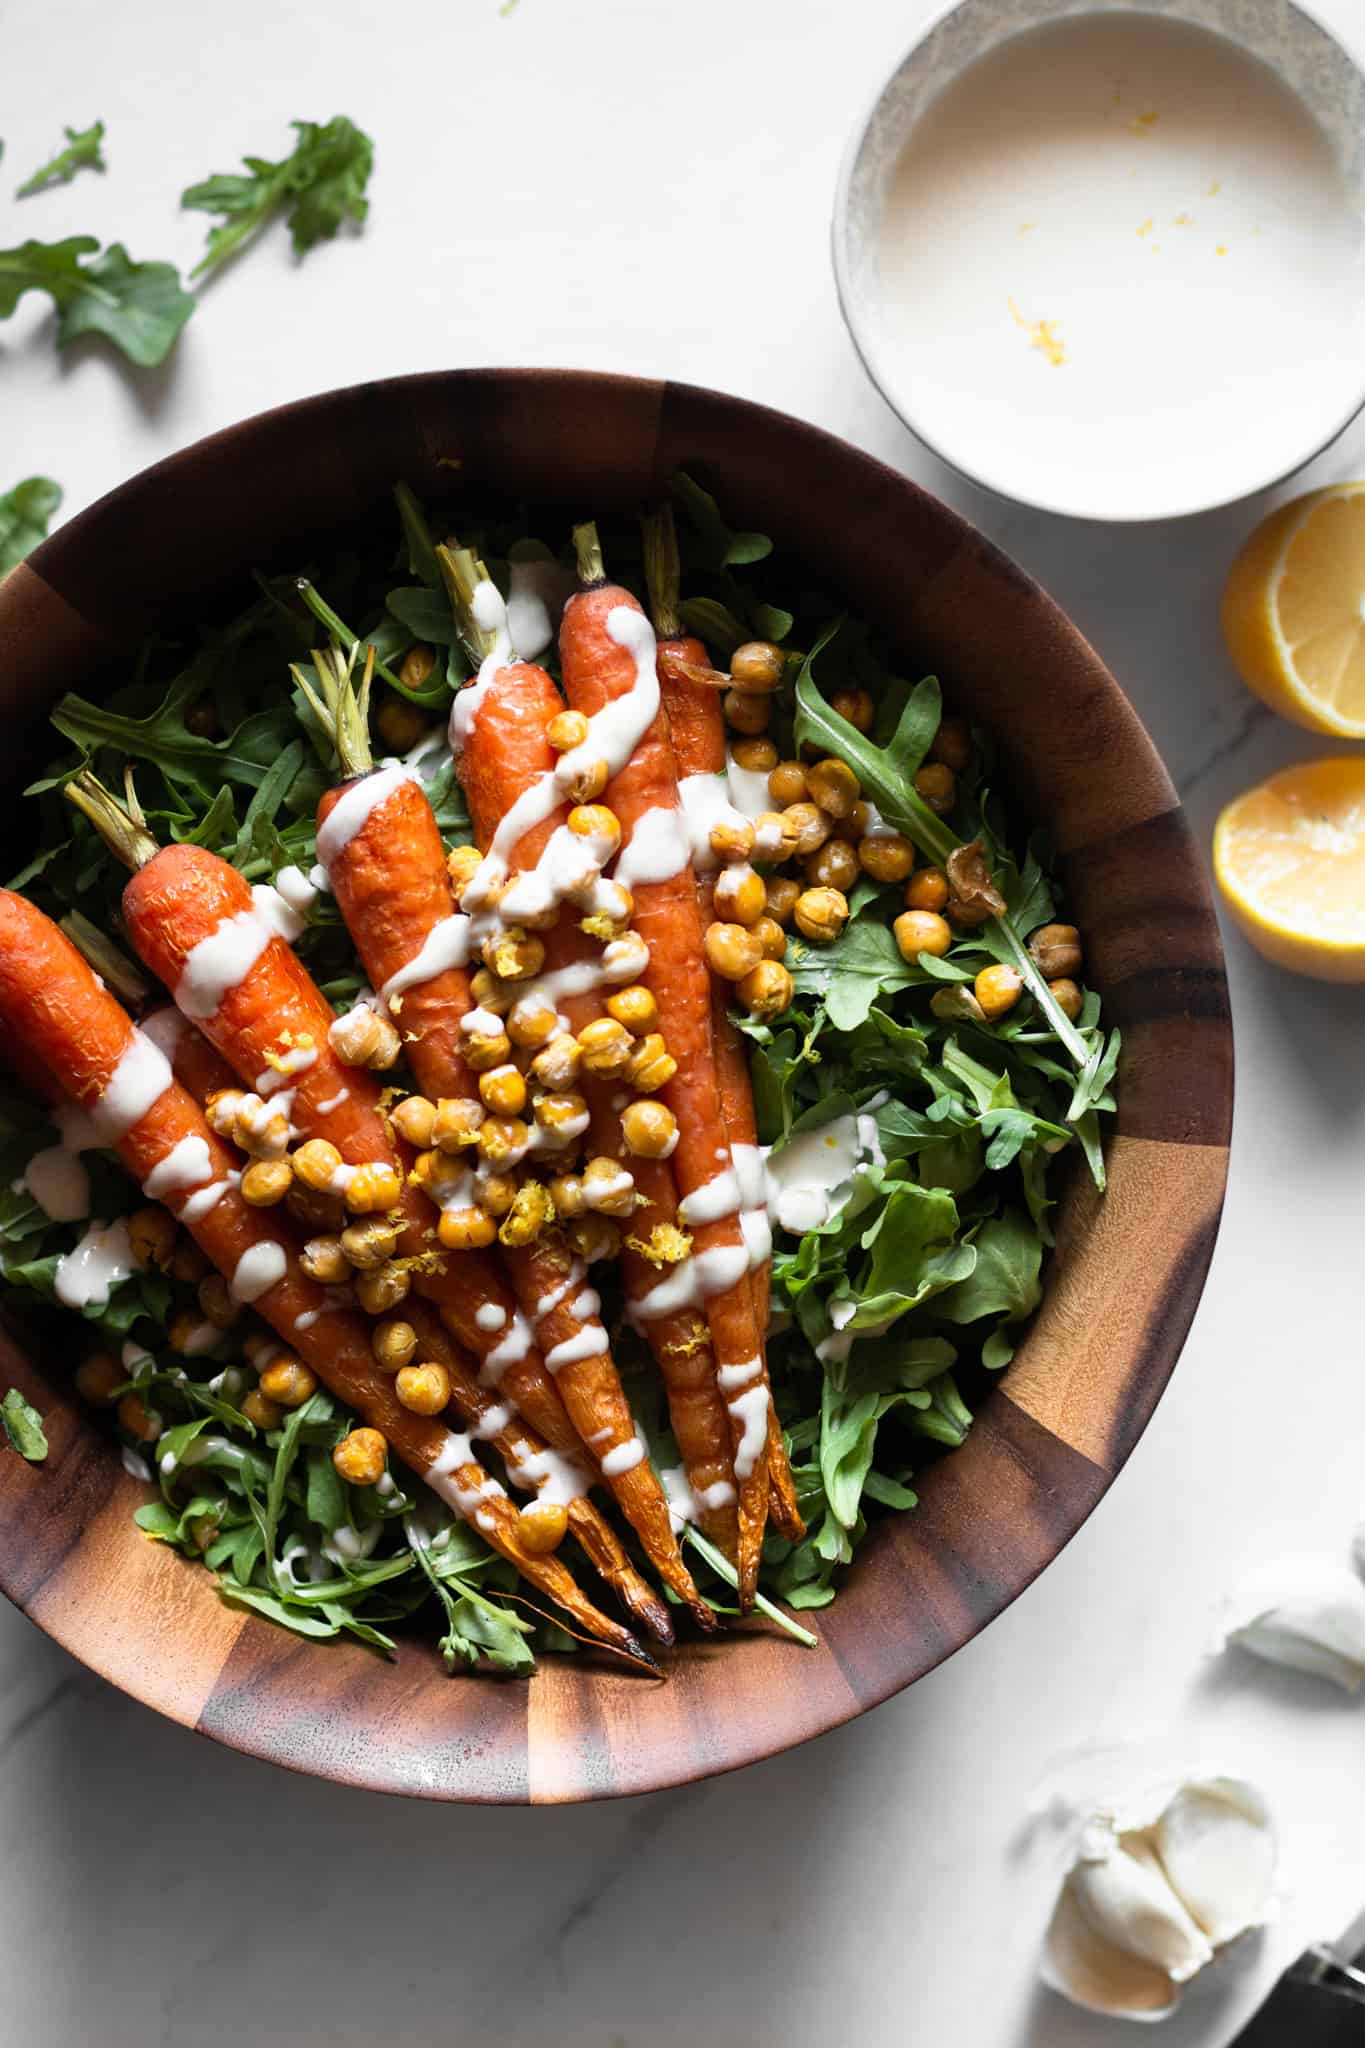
(895,1298)
(320,184)
(23,1427)
(25,515)
(139,307)
(82,152)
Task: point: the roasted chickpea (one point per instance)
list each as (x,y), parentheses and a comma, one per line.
(462,864)
(1068,997)
(634,1007)
(374,1186)
(362,1038)
(833,785)
(757,666)
(745,713)
(605,1047)
(593,1238)
(394,1343)
(414,1119)
(399,724)
(503,1091)
(317,1165)
(513,954)
(323,1260)
(531,1022)
(811,825)
(361,1457)
(732,839)
(466,1230)
(288,1382)
(567,730)
(740,895)
(835,866)
(418,663)
(922,931)
(456,1122)
(260,1409)
(584,781)
(597,823)
(928,890)
(1056,950)
(766,991)
(782,893)
(771,937)
(566,1192)
(98,1375)
(937,785)
(775,836)
(758,756)
(489,993)
(610,912)
(650,1130)
(787,784)
(369,1244)
(856,706)
(859,819)
(138,1419)
(202,719)
(542,1526)
(557,1064)
(565,1115)
(886,856)
(423,1388)
(997,989)
(259,1131)
(608,1187)
(952,744)
(503,1141)
(383,1289)
(821,914)
(529,1214)
(221,1108)
(185,1333)
(731,950)
(651,1065)
(215,1299)
(485,1049)
(266,1182)
(188,1263)
(496,1193)
(151,1236)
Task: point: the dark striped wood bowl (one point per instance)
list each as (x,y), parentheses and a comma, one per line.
(1128,1269)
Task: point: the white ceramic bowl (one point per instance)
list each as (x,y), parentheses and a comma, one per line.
(1045,442)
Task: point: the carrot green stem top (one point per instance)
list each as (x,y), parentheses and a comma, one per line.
(463,572)
(588,548)
(122,827)
(342,709)
(662,572)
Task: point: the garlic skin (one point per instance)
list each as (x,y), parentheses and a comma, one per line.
(1309,1617)
(1155,1891)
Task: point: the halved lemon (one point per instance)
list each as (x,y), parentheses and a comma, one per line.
(1294,610)
(1289,856)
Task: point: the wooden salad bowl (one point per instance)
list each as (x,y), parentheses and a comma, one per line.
(1128,1270)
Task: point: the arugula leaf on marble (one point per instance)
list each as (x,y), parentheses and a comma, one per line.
(25,514)
(318,186)
(82,152)
(139,307)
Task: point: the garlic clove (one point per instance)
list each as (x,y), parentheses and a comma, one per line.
(1310,1618)
(1216,1843)
(1121,1892)
(1092,1972)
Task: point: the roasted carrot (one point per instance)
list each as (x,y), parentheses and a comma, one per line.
(501,761)
(194,1062)
(697,726)
(55,1010)
(200,929)
(607,652)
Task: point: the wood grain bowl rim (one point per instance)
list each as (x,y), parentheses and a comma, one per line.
(1128,1274)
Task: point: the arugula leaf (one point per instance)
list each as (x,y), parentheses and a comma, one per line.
(320,184)
(1004,1281)
(25,514)
(139,307)
(722,548)
(23,1427)
(82,152)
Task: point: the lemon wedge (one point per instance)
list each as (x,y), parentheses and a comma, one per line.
(1294,611)
(1289,857)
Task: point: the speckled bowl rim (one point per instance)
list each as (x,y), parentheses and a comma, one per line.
(860,321)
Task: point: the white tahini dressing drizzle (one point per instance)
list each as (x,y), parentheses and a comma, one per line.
(55,1177)
(685,1503)
(659,848)
(555,1476)
(259,1269)
(446,945)
(750,1411)
(694,1281)
(197,1205)
(186,1165)
(89,1272)
(490,1316)
(141,1077)
(623,1459)
(706,804)
(355,807)
(166,1028)
(443,1479)
(538,590)
(296,1060)
(718,1198)
(748,789)
(222,961)
(510,1351)
(589,1342)
(809,1177)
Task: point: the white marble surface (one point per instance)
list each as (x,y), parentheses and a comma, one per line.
(637,185)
